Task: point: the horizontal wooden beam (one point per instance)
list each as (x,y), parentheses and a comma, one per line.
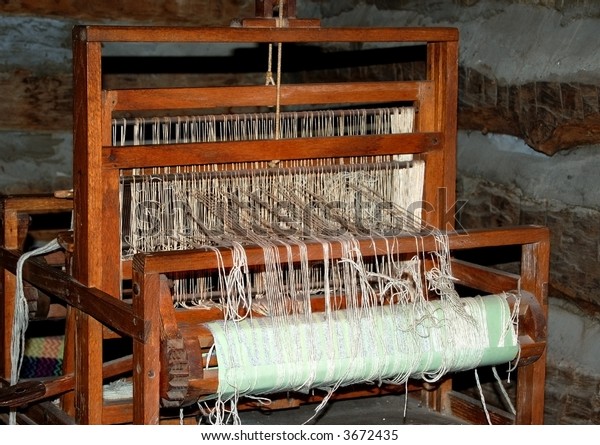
(484,278)
(268,150)
(181,261)
(159,34)
(264,95)
(108,310)
(469,409)
(35,203)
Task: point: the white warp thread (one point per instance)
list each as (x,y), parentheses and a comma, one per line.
(21,317)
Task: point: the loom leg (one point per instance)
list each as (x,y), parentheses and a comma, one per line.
(14,231)
(530,393)
(146,357)
(68,400)
(88,370)
(7,313)
(535,260)
(436,397)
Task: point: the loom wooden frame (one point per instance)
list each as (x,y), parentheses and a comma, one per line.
(94,289)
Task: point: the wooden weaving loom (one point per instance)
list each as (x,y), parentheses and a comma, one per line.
(122,290)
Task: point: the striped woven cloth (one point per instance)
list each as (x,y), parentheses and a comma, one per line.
(43,357)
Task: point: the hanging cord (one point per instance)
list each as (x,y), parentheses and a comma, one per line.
(21,317)
(269,75)
(482,397)
(503,391)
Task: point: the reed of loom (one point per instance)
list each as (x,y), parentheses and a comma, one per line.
(165,340)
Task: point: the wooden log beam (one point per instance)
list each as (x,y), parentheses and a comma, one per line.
(200,12)
(37,101)
(549,116)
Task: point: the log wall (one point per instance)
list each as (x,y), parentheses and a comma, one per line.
(36,81)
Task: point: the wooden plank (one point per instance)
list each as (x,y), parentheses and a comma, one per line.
(47,413)
(484,278)
(265,96)
(89,245)
(88,369)
(268,150)
(10,239)
(267,35)
(180,261)
(438,113)
(119,412)
(469,409)
(87,182)
(449,106)
(35,203)
(530,379)
(67,401)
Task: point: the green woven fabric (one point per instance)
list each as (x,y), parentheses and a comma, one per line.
(269,354)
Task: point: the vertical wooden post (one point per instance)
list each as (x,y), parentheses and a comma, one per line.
(88,253)
(531,378)
(438,113)
(147,289)
(14,227)
(440,174)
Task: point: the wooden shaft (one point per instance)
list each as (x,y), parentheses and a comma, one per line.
(530,383)
(103,307)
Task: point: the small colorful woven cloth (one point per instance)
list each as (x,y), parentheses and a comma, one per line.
(43,357)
